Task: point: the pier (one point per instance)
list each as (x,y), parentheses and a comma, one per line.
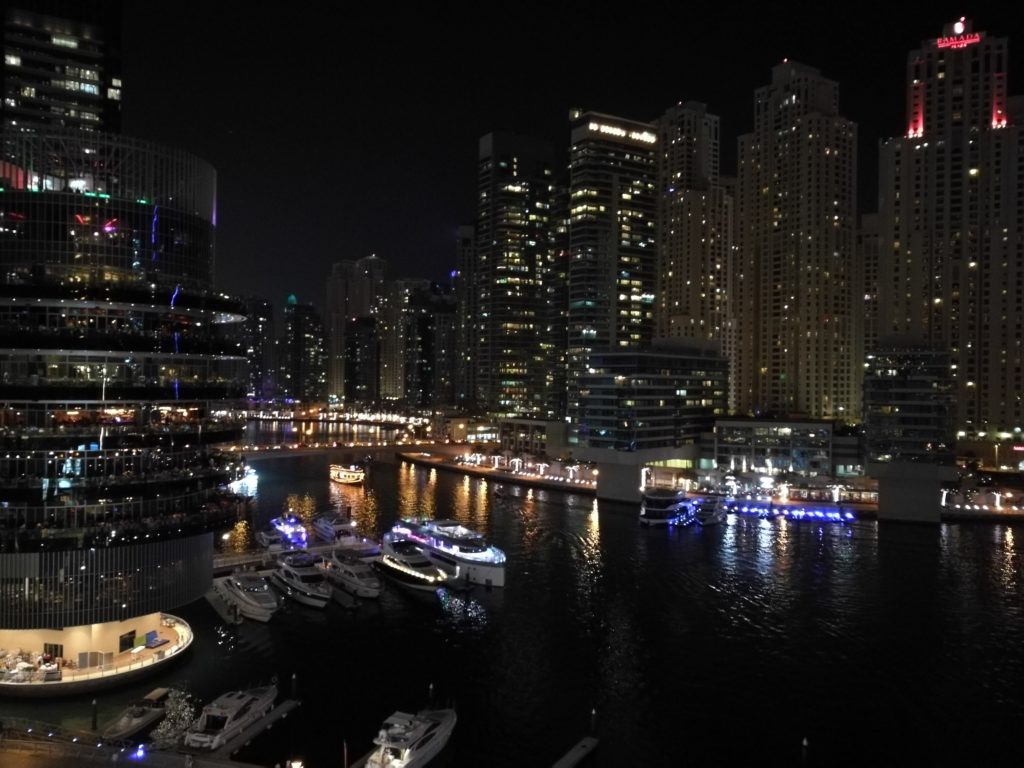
(583,749)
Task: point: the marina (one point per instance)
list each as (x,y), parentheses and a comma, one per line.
(542,643)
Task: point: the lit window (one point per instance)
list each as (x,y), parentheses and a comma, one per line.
(114,93)
(12,60)
(64,41)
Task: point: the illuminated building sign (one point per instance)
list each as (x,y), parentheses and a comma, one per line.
(613,130)
(958,41)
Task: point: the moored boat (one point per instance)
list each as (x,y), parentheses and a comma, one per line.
(664,506)
(301,580)
(250,593)
(226,716)
(404,562)
(147,711)
(460,552)
(409,741)
(329,526)
(352,574)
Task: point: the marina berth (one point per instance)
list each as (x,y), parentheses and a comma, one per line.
(463,554)
(228,715)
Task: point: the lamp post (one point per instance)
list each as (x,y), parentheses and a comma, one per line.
(996,446)
(103,402)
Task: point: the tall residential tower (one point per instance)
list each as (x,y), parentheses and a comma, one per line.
(798,340)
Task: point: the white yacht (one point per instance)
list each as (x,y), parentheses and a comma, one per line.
(352,575)
(410,741)
(301,580)
(458,551)
(402,560)
(140,714)
(329,526)
(711,512)
(664,506)
(350,474)
(353,545)
(228,715)
(250,593)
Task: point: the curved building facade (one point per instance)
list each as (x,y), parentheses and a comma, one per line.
(117,377)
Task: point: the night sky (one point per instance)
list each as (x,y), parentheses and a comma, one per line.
(338,130)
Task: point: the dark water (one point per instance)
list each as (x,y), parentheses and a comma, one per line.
(879,644)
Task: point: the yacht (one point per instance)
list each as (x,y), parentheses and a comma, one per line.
(409,741)
(228,715)
(458,551)
(139,715)
(283,532)
(352,575)
(664,506)
(352,473)
(301,580)
(711,512)
(352,544)
(250,593)
(329,526)
(404,561)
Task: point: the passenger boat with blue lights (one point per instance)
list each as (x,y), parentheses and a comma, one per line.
(404,561)
(410,741)
(226,716)
(350,474)
(665,506)
(460,552)
(299,578)
(284,532)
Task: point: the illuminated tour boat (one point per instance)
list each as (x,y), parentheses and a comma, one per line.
(350,474)
(664,506)
(405,562)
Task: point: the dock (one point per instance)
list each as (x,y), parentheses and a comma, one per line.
(224,564)
(255,729)
(578,753)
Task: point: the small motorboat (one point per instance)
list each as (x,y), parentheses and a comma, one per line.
(409,741)
(711,512)
(147,711)
(328,527)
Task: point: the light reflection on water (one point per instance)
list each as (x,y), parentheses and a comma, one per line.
(807,625)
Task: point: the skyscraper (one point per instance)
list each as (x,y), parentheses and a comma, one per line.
(695,229)
(354,289)
(612,223)
(798,343)
(258,346)
(951,215)
(511,253)
(303,369)
(61,67)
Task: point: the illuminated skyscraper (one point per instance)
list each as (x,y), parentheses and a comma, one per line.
(695,229)
(61,67)
(612,222)
(303,370)
(510,256)
(951,215)
(798,347)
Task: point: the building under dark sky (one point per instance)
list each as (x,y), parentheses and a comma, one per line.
(335,138)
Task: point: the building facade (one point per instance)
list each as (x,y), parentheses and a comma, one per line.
(511,255)
(797,327)
(61,72)
(665,397)
(611,236)
(302,375)
(694,228)
(951,216)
